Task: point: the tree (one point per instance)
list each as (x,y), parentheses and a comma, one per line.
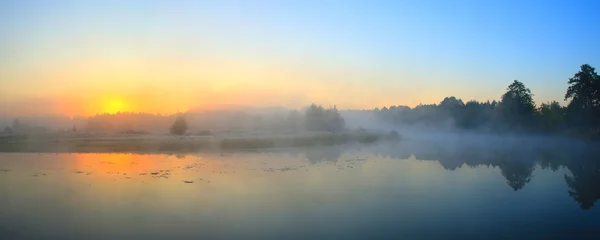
(334,121)
(179,127)
(451,103)
(517,107)
(7,130)
(319,119)
(477,114)
(584,89)
(315,116)
(552,115)
(452,107)
(584,95)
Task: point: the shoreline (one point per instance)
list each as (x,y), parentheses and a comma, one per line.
(175,144)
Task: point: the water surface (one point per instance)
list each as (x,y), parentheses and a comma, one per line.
(344,192)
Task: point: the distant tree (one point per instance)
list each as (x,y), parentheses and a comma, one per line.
(583,92)
(584,89)
(452,108)
(179,127)
(334,121)
(74,129)
(552,116)
(7,130)
(451,103)
(477,114)
(315,118)
(98,123)
(493,104)
(425,114)
(517,107)
(319,119)
(515,111)
(471,115)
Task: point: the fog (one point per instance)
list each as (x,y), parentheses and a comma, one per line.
(515,118)
(267,121)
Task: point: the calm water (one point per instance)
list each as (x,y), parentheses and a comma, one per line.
(409,190)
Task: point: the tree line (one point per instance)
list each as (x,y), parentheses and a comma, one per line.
(315,118)
(516,110)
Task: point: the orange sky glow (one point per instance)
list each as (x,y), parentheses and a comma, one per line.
(170,86)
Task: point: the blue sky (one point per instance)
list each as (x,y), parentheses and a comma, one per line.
(365,53)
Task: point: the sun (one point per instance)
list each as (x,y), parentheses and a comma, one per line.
(114,106)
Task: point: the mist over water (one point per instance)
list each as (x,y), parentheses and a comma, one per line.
(413,189)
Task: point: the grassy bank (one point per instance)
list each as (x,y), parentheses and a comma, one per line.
(154,143)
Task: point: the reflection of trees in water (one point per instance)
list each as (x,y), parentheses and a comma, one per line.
(515,161)
(584,182)
(451,163)
(551,160)
(326,154)
(452,160)
(517,173)
(516,165)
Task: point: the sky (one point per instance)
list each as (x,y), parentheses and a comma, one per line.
(87,57)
